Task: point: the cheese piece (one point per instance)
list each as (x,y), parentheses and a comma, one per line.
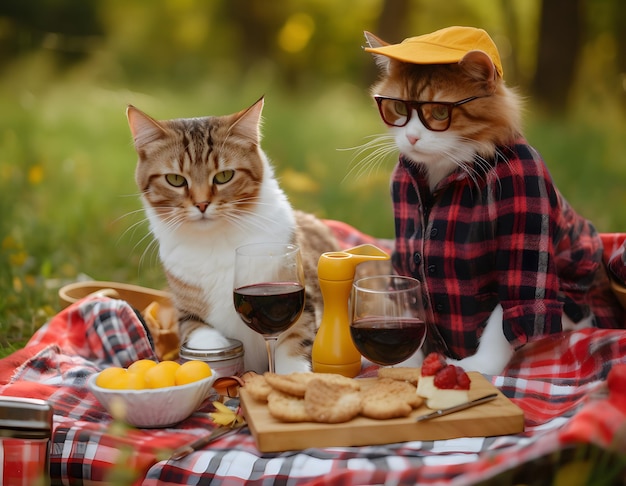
(442,398)
(426,386)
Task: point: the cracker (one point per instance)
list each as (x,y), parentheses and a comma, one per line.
(387,398)
(258,387)
(338,380)
(385,409)
(292,384)
(401,373)
(332,399)
(287,408)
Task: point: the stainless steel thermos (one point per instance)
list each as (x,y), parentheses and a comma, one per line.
(25,436)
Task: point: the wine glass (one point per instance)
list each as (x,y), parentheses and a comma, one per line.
(387,322)
(269,289)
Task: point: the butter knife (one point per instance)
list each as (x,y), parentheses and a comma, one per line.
(457,408)
(217,433)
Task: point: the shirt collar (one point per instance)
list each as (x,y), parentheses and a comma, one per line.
(417,171)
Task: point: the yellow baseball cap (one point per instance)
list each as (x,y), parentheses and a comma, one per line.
(445,46)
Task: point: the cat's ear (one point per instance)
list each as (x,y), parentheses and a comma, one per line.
(247,123)
(374,42)
(479,66)
(143,128)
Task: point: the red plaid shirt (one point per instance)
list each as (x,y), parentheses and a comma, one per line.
(504,235)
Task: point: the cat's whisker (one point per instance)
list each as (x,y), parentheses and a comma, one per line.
(242,221)
(256,220)
(134,194)
(374,139)
(465,167)
(367,166)
(376,151)
(130,213)
(133,228)
(254,200)
(151,247)
(173,222)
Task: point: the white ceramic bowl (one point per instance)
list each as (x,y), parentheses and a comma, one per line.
(154,407)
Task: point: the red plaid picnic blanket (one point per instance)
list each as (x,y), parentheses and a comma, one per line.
(559,382)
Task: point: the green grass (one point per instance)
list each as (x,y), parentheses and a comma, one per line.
(69,205)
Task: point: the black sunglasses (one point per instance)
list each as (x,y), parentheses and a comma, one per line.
(435,115)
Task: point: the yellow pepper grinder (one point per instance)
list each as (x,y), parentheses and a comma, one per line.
(333,349)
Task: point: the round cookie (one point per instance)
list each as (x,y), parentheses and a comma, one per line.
(387,398)
(292,384)
(332,399)
(400,373)
(287,408)
(258,387)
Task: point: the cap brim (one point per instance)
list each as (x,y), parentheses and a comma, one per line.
(419,53)
(425,53)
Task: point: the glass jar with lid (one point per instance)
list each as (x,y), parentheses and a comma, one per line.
(224,361)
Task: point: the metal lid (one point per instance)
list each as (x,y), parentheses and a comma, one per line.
(233,350)
(25,414)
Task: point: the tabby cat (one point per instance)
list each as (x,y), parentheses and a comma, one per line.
(207,188)
(502,257)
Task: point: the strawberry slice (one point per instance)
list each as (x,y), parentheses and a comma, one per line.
(432,364)
(446,378)
(462,379)
(452,378)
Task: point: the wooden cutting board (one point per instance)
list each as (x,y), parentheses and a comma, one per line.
(497,417)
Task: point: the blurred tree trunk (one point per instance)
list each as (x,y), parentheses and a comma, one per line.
(511,69)
(256,23)
(560,39)
(619,22)
(393,27)
(393,23)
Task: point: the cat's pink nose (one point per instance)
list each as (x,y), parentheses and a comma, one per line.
(412,139)
(202,206)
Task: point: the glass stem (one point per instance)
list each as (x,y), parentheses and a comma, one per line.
(270,345)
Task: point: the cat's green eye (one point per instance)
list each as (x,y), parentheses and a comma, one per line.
(175,180)
(224,176)
(400,108)
(440,112)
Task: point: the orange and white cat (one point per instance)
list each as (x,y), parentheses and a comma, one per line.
(207,187)
(502,257)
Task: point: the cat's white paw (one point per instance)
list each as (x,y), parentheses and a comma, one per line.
(494,351)
(285,363)
(414,361)
(483,364)
(206,338)
(292,366)
(569,325)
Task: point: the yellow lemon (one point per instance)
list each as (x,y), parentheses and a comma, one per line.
(161,375)
(191,371)
(136,381)
(114,378)
(141,366)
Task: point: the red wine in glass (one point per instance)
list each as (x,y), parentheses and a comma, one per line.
(268,291)
(388,341)
(387,322)
(269,308)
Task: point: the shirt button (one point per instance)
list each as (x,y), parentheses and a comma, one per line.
(432,269)
(417,258)
(434,232)
(439,307)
